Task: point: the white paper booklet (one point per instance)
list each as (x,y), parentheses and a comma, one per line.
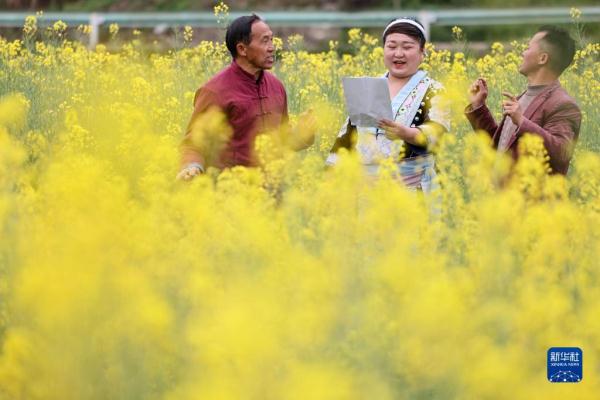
(367,100)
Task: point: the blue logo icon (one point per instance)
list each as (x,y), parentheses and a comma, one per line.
(565,364)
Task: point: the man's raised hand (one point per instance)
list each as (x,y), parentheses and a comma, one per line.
(478,93)
(512,108)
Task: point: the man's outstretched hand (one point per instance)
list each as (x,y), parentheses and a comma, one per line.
(305,130)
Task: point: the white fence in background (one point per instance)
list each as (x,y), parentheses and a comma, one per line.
(429,18)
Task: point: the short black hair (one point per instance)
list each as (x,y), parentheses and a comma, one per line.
(560,45)
(407,29)
(240,30)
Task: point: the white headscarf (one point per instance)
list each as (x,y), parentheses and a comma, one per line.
(405,21)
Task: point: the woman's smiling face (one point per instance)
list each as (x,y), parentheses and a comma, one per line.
(402,55)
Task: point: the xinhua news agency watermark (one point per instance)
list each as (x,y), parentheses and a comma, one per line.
(565,364)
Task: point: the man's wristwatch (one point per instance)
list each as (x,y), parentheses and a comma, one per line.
(195,165)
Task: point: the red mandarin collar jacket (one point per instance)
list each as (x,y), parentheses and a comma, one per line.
(251,106)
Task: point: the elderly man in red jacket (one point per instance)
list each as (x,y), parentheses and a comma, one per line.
(544,109)
(253,101)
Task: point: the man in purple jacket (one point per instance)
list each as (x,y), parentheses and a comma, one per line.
(544,109)
(253,101)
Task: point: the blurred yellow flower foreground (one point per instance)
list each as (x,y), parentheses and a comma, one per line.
(290,281)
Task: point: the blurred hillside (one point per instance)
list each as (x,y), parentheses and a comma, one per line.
(178,5)
(316,38)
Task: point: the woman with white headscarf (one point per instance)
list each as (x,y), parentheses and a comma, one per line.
(418,118)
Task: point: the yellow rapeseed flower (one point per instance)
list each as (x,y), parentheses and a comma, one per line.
(113,29)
